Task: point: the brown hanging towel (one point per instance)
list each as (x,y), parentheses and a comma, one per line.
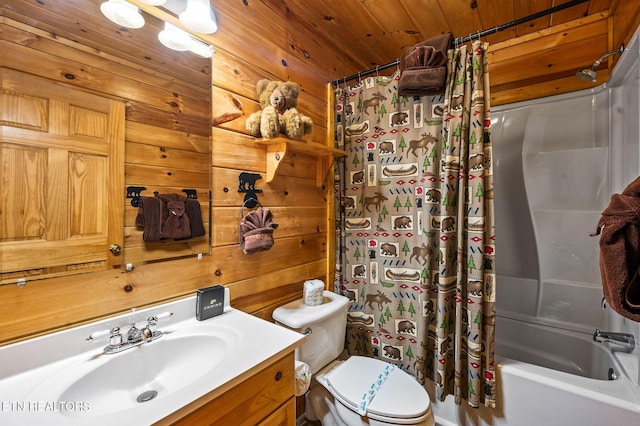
(256,231)
(169,216)
(194,213)
(619,230)
(423,67)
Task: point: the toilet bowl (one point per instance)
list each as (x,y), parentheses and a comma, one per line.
(367,391)
(356,391)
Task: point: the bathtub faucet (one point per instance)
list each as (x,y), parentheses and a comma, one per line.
(625,340)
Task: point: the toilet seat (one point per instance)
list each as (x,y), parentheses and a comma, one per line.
(397,397)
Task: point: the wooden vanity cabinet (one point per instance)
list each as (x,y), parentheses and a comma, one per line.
(263,396)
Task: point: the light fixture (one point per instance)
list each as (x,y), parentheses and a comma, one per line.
(201,48)
(199,17)
(122,13)
(175,38)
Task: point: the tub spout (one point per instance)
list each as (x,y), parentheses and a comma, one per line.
(625,340)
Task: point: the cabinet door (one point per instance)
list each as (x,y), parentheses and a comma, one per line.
(266,398)
(61,164)
(283,416)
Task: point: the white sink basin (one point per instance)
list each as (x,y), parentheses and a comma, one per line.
(60,379)
(119,382)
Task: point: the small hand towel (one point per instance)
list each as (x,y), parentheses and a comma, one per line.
(256,231)
(174,222)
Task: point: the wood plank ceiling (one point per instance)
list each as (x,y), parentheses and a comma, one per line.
(325,40)
(376,32)
(530,60)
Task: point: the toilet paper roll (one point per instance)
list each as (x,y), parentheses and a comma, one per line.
(303,378)
(312,292)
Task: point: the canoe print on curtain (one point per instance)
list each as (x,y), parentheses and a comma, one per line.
(415,250)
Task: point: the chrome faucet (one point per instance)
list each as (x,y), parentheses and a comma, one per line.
(135,336)
(626,340)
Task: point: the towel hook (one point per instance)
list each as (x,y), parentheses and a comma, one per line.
(133,192)
(246,185)
(249,203)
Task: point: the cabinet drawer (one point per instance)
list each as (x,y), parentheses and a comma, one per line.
(252,400)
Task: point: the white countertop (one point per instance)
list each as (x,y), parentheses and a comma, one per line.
(34,373)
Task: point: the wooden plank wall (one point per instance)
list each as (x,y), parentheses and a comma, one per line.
(168,120)
(544,63)
(254,41)
(167,149)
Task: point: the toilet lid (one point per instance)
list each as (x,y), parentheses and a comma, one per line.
(391,392)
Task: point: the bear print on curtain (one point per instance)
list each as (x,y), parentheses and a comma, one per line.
(415,227)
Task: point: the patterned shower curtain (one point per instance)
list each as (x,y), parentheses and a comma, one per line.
(415,234)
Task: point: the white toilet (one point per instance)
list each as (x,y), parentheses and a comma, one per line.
(341,390)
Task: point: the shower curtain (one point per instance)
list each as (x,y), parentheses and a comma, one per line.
(415,234)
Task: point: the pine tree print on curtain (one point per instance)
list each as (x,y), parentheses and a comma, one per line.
(416,235)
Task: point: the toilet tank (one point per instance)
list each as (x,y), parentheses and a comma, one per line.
(325,326)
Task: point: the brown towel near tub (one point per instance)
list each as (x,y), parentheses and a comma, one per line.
(169,216)
(619,229)
(423,68)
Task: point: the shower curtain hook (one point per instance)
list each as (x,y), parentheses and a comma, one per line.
(377,72)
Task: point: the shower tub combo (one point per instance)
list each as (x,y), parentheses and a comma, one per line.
(556,378)
(556,163)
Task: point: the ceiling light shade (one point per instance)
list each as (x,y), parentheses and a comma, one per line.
(199,17)
(154,2)
(122,13)
(174,38)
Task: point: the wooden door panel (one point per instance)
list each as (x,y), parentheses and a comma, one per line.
(85,122)
(61,153)
(50,256)
(22,110)
(87,198)
(21,201)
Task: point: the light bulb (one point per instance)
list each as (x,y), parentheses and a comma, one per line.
(122,13)
(199,17)
(174,38)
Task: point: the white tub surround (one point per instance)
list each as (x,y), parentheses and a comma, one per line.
(557,161)
(62,379)
(553,377)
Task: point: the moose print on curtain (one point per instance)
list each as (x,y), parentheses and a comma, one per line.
(416,234)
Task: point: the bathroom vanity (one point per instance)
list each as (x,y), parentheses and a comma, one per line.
(231,369)
(265,397)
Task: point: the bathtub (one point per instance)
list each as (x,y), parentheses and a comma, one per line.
(566,384)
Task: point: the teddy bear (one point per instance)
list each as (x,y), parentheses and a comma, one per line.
(279,115)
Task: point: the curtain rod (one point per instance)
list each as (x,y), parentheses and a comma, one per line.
(470,37)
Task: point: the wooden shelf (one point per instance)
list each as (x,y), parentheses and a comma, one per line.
(279,148)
